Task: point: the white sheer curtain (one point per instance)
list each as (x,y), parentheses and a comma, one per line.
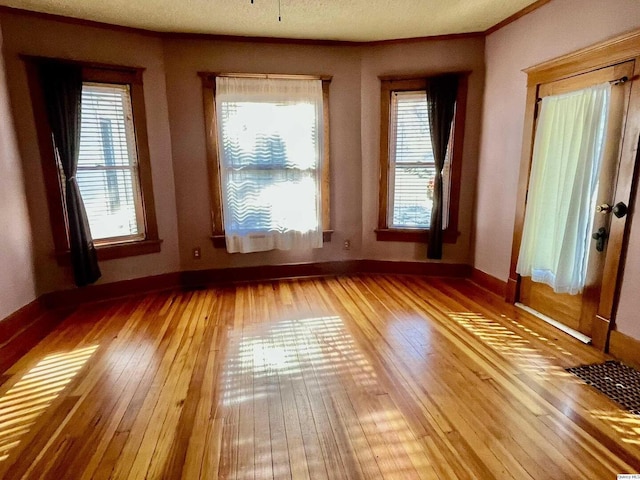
(270,137)
(567,153)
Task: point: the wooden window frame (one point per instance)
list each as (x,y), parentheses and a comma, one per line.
(388,85)
(213,157)
(98,73)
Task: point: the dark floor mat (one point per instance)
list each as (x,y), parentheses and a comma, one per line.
(618,381)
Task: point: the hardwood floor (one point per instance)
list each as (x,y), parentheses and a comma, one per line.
(339,378)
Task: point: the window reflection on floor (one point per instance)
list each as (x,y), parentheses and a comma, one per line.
(25,401)
(512,345)
(292,385)
(626,424)
(531,359)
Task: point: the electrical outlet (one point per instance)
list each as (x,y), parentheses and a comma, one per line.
(197,254)
(347,244)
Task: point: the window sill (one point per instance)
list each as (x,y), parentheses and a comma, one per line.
(219,241)
(412,235)
(118,250)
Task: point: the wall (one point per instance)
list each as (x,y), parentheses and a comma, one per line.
(17,281)
(559,27)
(183,60)
(430,57)
(173,98)
(355,122)
(36,36)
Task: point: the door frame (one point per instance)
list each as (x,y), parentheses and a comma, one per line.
(606,54)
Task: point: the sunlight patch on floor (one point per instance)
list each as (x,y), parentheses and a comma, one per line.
(510,344)
(35,392)
(309,375)
(625,423)
(538,336)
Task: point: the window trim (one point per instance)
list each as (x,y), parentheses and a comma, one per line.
(99,73)
(213,159)
(389,84)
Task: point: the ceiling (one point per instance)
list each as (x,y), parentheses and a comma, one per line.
(346,20)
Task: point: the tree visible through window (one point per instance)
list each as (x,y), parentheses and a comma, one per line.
(407,163)
(412,168)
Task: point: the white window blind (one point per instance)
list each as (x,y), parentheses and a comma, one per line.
(108,164)
(412,167)
(270,137)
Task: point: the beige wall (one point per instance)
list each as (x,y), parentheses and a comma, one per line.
(431,57)
(183,60)
(560,27)
(35,36)
(173,98)
(17,280)
(355,124)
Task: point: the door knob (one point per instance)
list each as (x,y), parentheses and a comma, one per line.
(604,208)
(600,237)
(620,210)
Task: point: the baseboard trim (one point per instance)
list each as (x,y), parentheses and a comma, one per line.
(625,348)
(108,291)
(216,276)
(194,278)
(429,269)
(23,329)
(191,278)
(489,282)
(600,332)
(512,290)
(18,319)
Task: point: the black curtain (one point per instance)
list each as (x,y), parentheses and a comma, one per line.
(62,88)
(441,98)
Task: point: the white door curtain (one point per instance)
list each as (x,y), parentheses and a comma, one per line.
(567,154)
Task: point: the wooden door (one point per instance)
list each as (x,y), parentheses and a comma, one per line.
(578,311)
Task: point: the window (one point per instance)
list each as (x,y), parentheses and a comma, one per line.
(113,166)
(269,146)
(108,164)
(407,164)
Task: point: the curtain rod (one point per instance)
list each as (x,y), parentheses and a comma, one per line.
(613,83)
(267,76)
(619,81)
